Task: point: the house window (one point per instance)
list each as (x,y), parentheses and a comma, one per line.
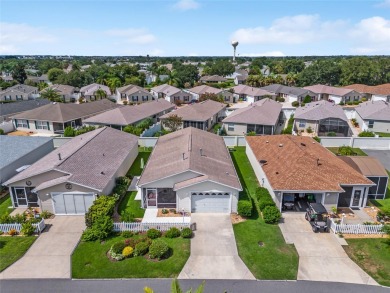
(230,127)
(302,124)
(41,125)
(371,123)
(176,98)
(227,99)
(356,98)
(134,98)
(347,99)
(22,124)
(186,99)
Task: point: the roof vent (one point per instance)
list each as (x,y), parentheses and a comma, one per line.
(263,162)
(280,145)
(318,162)
(266,141)
(102,173)
(303,144)
(59,156)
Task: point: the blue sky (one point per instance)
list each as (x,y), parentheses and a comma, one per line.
(195,27)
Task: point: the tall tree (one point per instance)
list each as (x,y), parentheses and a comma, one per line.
(19,73)
(51,95)
(173,122)
(101,94)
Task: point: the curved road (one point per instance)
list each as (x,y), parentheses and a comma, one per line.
(163,286)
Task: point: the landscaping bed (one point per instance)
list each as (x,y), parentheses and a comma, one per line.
(13,248)
(347,151)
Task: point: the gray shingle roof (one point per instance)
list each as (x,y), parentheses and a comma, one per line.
(15,147)
(131,114)
(91,159)
(131,89)
(242,89)
(17,107)
(282,89)
(330,90)
(166,89)
(213,78)
(89,90)
(263,112)
(320,110)
(22,88)
(375,110)
(202,89)
(62,89)
(214,162)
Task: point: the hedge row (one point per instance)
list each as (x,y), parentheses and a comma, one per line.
(271,213)
(245,205)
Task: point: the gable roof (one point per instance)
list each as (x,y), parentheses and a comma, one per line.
(213,161)
(131,114)
(300,163)
(320,110)
(330,90)
(242,89)
(21,88)
(60,112)
(263,112)
(366,165)
(20,106)
(197,112)
(212,78)
(62,89)
(90,159)
(375,110)
(90,89)
(131,89)
(202,89)
(381,89)
(166,89)
(288,90)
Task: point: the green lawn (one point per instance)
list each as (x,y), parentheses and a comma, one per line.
(276,260)
(135,169)
(383,134)
(13,248)
(130,205)
(5,202)
(358,151)
(89,260)
(373,256)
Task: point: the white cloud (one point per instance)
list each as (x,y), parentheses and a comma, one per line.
(156,52)
(292,30)
(266,54)
(185,5)
(132,35)
(385,3)
(193,54)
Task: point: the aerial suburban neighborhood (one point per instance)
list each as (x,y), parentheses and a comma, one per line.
(171,152)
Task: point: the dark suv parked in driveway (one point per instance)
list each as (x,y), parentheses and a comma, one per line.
(317,216)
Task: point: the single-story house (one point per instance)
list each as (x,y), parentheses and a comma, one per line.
(133,94)
(335,94)
(9,109)
(198,91)
(88,92)
(379,92)
(53,118)
(68,180)
(322,117)
(170,93)
(18,152)
(240,79)
(212,79)
(290,93)
(126,115)
(297,170)
(261,117)
(373,170)
(203,115)
(190,170)
(374,116)
(251,94)
(19,92)
(68,93)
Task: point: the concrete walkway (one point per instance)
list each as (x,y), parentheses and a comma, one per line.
(150,216)
(49,256)
(213,250)
(321,257)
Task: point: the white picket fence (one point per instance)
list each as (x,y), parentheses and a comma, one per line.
(143,227)
(356,229)
(5,228)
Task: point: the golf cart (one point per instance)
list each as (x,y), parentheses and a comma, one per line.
(317,216)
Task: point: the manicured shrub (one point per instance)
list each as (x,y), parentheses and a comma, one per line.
(1,132)
(164,211)
(128,251)
(130,242)
(100,230)
(120,189)
(153,233)
(172,233)
(271,215)
(127,216)
(366,133)
(141,248)
(27,229)
(264,198)
(295,104)
(186,233)
(309,130)
(123,180)
(307,99)
(158,249)
(265,202)
(127,234)
(46,214)
(331,134)
(118,247)
(103,206)
(244,208)
(12,232)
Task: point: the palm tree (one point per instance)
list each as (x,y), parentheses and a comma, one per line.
(113,83)
(173,79)
(101,80)
(100,93)
(51,95)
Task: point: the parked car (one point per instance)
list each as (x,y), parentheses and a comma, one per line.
(317,216)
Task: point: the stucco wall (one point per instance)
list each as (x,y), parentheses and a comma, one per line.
(330,200)
(308,123)
(31,124)
(381,126)
(239,129)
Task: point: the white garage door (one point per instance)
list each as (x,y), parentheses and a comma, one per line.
(72,203)
(210,202)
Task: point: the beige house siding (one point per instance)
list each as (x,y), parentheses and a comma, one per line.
(308,123)
(380,126)
(32,127)
(239,129)
(38,179)
(181,96)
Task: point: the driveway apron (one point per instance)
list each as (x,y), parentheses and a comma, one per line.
(49,256)
(213,250)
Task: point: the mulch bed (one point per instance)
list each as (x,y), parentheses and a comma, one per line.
(236,218)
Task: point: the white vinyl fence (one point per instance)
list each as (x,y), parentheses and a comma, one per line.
(5,228)
(7,126)
(143,227)
(151,130)
(356,229)
(378,143)
(232,141)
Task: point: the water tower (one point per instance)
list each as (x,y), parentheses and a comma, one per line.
(234,44)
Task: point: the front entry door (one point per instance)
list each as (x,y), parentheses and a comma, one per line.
(151,195)
(21,197)
(356,199)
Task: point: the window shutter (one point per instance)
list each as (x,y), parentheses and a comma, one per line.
(35,124)
(48,125)
(16,123)
(28,124)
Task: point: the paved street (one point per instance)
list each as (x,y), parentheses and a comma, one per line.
(321,257)
(49,256)
(382,156)
(163,286)
(214,251)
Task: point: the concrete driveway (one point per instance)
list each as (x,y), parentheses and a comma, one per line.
(49,256)
(382,156)
(213,250)
(321,256)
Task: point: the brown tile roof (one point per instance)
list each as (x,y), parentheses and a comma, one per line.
(300,163)
(60,112)
(381,89)
(320,110)
(263,112)
(131,114)
(368,166)
(330,90)
(375,110)
(85,157)
(214,162)
(197,112)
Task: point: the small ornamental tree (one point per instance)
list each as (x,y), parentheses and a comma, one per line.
(173,122)
(69,132)
(211,96)
(307,99)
